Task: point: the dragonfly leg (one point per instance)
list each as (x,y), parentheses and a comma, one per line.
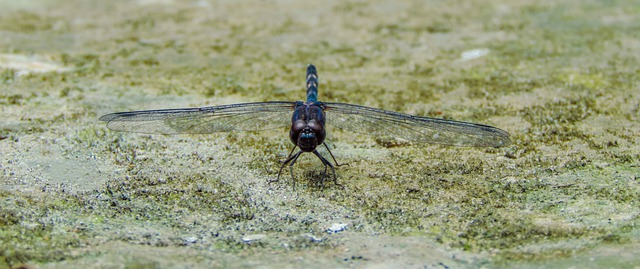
(334,158)
(289,158)
(293,160)
(327,164)
(293,179)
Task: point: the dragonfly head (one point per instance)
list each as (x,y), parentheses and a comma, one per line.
(307,135)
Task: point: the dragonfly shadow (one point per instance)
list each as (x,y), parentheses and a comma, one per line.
(316,179)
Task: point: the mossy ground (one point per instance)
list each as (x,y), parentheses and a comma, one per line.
(562,78)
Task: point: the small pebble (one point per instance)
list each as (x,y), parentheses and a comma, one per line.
(337,227)
(253,237)
(313,238)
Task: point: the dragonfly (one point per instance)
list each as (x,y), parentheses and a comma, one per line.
(307,123)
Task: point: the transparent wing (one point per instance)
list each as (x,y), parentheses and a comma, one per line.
(203,120)
(378,122)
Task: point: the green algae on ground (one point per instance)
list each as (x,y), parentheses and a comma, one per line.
(562,82)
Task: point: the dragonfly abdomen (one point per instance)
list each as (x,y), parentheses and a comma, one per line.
(312,84)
